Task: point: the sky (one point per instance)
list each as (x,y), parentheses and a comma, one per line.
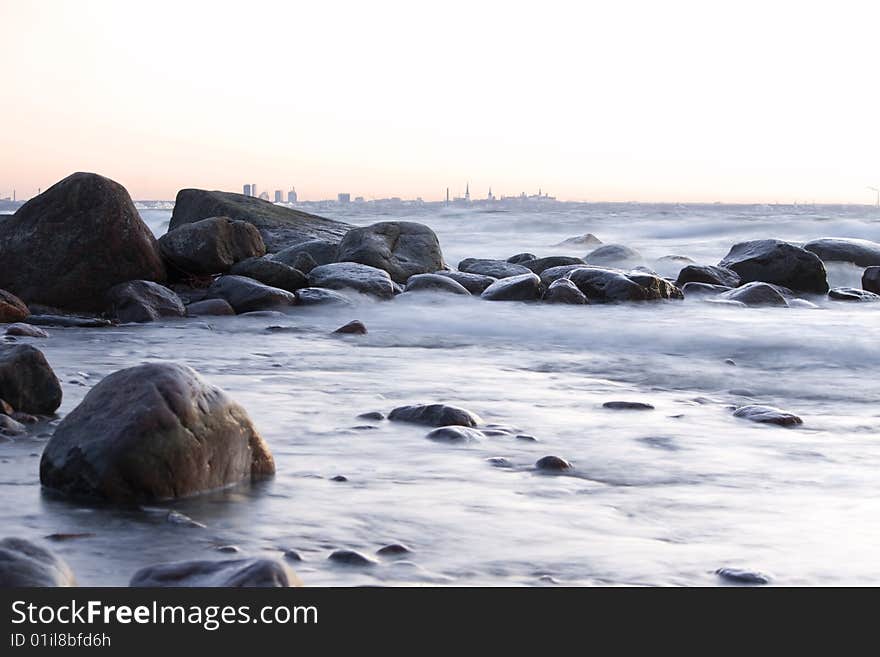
(621,100)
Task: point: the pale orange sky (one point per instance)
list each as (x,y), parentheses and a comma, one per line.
(624,100)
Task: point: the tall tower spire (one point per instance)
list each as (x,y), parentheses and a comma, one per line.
(467,192)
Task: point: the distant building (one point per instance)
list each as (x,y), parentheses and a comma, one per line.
(279,197)
(264,196)
(246,190)
(253,189)
(291,195)
(342,197)
(358,199)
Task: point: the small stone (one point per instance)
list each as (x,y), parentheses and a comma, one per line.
(339,478)
(767,415)
(393,550)
(526,437)
(553,464)
(628,406)
(499,462)
(455,434)
(355,327)
(350,558)
(730,361)
(742,576)
(372,415)
(21,329)
(228,549)
(292,555)
(177,518)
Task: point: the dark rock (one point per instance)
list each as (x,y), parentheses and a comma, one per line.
(350,558)
(455,434)
(25,564)
(68,321)
(303,262)
(401,248)
(777,262)
(702,289)
(27,382)
(279,226)
(767,415)
(548,276)
(615,255)
(26,331)
(525,287)
(707,274)
(628,406)
(354,327)
(153,432)
(210,246)
(435,415)
(756,294)
(863,253)
(143,301)
(521,258)
(852,294)
(228,549)
(871,280)
(321,252)
(499,462)
(12,309)
(742,576)
(539,265)
(271,273)
(563,290)
(68,246)
(493,268)
(11,427)
(210,307)
(393,550)
(526,437)
(372,415)
(313,296)
(606,285)
(292,555)
(473,283)
(353,276)
(230,573)
(435,283)
(552,464)
(246,294)
(581,240)
(339,478)
(655,287)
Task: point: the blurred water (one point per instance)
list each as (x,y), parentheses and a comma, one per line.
(658,497)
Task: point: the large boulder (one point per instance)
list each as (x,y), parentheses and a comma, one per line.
(153,432)
(68,246)
(871,280)
(615,255)
(852,294)
(318,296)
(493,268)
(210,307)
(863,253)
(12,309)
(601,285)
(25,564)
(563,291)
(538,265)
(353,276)
(279,226)
(246,295)
(322,252)
(271,273)
(434,283)
(27,381)
(525,287)
(655,286)
(402,248)
(473,283)
(143,301)
(778,262)
(210,246)
(707,274)
(756,294)
(232,573)
(435,415)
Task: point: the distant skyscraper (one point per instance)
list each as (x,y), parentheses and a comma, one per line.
(246,190)
(278,196)
(467,192)
(342,197)
(291,195)
(253,189)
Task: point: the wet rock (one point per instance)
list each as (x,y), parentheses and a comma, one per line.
(20,329)
(178,518)
(526,437)
(351,558)
(777,262)
(435,283)
(27,382)
(210,246)
(321,252)
(316,296)
(863,253)
(493,268)
(210,307)
(525,287)
(499,462)
(552,464)
(615,255)
(767,415)
(655,287)
(393,550)
(401,248)
(153,432)
(708,274)
(246,294)
(871,280)
(228,549)
(852,294)
(66,247)
(581,240)
(11,427)
(473,283)
(68,321)
(562,290)
(435,415)
(372,415)
(279,226)
(606,285)
(539,265)
(271,273)
(354,327)
(742,576)
(555,273)
(292,555)
(628,406)
(230,573)
(12,309)
(703,289)
(756,294)
(143,301)
(353,276)
(455,434)
(339,478)
(521,258)
(26,564)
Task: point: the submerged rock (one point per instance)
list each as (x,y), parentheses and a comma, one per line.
(742,576)
(401,248)
(871,280)
(777,262)
(246,294)
(628,406)
(314,296)
(153,432)
(852,294)
(562,290)
(393,550)
(210,246)
(20,329)
(756,294)
(435,415)
(354,327)
(767,415)
(702,289)
(351,558)
(68,246)
(353,276)
(11,427)
(229,573)
(707,274)
(493,268)
(372,415)
(615,255)
(539,265)
(271,273)
(26,564)
(210,307)
(12,309)
(68,321)
(144,301)
(473,283)
(581,240)
(863,253)
(525,287)
(435,283)
(455,434)
(27,382)
(552,464)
